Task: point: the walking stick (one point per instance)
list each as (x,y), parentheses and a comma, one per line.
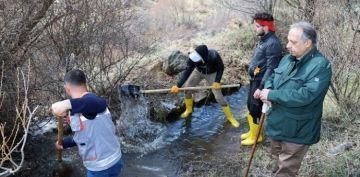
(262,118)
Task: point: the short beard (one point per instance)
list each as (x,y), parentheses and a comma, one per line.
(261,34)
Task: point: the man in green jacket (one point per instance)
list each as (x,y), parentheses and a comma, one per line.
(296,91)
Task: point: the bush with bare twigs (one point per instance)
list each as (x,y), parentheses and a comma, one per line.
(13,134)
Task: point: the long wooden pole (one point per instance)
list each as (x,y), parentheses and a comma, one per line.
(188,88)
(60,136)
(262,118)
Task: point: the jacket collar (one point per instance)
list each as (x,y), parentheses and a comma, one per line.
(294,66)
(310,54)
(266,36)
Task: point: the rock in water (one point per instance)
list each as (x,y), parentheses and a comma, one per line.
(175,63)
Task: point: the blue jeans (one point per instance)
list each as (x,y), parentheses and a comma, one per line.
(113,171)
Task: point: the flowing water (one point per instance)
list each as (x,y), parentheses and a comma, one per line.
(204,135)
(137,132)
(154,149)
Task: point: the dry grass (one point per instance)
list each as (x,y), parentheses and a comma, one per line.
(317,162)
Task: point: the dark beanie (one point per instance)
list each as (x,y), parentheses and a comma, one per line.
(202,50)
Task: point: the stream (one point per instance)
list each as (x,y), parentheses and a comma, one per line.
(155,149)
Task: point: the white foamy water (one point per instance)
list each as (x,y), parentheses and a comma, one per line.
(137,132)
(46,125)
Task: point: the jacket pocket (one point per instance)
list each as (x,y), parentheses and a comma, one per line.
(298,126)
(289,127)
(278,72)
(86,149)
(295,83)
(298,114)
(286,124)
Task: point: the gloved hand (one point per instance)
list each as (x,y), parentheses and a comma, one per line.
(174,89)
(216,86)
(256,71)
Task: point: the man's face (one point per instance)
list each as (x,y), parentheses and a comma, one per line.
(296,46)
(259,30)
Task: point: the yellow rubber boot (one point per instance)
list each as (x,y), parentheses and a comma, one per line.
(189,103)
(250,120)
(230,117)
(254,129)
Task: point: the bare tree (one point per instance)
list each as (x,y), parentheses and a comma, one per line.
(106,39)
(339,31)
(22,24)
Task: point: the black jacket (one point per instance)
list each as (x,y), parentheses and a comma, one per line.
(213,63)
(267,56)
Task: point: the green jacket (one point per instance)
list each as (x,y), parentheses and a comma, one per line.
(298,89)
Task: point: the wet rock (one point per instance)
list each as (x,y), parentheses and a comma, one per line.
(167,111)
(159,114)
(206,97)
(170,110)
(175,63)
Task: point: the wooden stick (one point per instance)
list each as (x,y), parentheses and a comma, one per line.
(60,137)
(188,88)
(262,118)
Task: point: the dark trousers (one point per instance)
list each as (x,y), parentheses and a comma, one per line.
(254,105)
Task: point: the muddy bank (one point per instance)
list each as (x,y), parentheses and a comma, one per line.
(40,158)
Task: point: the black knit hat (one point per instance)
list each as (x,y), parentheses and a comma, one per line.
(202,50)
